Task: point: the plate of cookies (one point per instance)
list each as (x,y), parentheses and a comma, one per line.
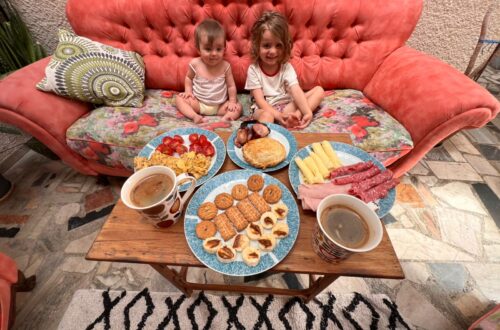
(241,222)
(264,147)
(191,150)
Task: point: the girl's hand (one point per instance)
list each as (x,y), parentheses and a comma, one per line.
(187,95)
(305,121)
(232,106)
(282,119)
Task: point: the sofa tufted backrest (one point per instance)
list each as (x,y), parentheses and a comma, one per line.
(337,43)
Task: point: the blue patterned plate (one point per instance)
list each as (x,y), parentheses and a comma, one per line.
(278,133)
(224,183)
(348,155)
(217,160)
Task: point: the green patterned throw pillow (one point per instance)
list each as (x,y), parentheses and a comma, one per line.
(89,71)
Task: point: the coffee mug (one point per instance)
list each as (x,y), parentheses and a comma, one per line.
(166,211)
(330,249)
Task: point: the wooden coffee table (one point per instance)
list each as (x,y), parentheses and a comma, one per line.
(124,237)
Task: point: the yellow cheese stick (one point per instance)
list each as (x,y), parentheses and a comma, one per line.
(321,153)
(308,176)
(332,155)
(321,167)
(318,178)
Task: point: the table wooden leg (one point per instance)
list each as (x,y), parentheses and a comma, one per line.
(177,279)
(318,285)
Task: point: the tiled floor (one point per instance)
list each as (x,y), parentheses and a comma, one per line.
(444,227)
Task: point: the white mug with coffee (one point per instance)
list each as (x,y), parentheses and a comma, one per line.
(345,225)
(154,192)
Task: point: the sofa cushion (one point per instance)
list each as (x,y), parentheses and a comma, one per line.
(89,71)
(114,135)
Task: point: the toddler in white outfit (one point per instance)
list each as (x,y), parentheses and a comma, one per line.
(209,87)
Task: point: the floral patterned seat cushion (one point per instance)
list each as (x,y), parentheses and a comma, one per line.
(114,135)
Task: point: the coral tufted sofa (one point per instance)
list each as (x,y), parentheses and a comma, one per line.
(396,102)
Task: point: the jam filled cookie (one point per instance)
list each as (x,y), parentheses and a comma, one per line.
(267,242)
(212,244)
(207,211)
(255,231)
(223,201)
(251,256)
(240,242)
(281,210)
(226,254)
(239,192)
(205,229)
(280,230)
(268,220)
(272,194)
(255,182)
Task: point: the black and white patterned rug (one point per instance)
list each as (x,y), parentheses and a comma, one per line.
(97,309)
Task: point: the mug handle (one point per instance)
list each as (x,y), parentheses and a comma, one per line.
(185,177)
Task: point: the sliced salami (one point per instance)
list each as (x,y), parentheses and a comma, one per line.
(357,177)
(371,182)
(377,192)
(350,169)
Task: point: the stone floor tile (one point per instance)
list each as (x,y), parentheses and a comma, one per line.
(429,180)
(495,164)
(438,154)
(489,152)
(78,265)
(454,171)
(419,169)
(425,194)
(426,222)
(397,210)
(491,233)
(472,305)
(461,229)
(426,315)
(490,201)
(411,245)
(463,145)
(416,272)
(81,245)
(486,277)
(481,165)
(451,277)
(405,221)
(99,199)
(406,194)
(453,151)
(66,212)
(481,135)
(494,183)
(460,196)
(492,252)
(9,219)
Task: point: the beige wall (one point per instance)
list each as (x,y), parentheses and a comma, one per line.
(448,29)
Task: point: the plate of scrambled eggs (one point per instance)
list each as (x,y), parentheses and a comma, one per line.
(201,165)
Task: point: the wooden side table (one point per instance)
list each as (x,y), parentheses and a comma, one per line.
(125,237)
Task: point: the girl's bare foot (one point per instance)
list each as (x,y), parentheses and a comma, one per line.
(200,119)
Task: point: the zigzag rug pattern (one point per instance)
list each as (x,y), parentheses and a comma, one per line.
(97,309)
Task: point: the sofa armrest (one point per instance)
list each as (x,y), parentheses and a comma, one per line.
(424,93)
(37,111)
(430,99)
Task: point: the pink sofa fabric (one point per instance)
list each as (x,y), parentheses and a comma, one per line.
(429,98)
(8,276)
(338,44)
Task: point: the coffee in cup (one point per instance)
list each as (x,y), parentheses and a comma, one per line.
(345,225)
(154,192)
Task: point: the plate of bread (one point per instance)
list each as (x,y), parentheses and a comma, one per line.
(325,168)
(263,147)
(241,222)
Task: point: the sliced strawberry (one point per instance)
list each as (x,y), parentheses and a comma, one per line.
(167,140)
(193,138)
(209,150)
(202,140)
(179,138)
